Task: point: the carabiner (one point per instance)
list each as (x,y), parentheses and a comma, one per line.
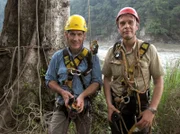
(126,99)
(75,72)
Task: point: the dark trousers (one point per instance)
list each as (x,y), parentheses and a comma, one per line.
(129,122)
(128,114)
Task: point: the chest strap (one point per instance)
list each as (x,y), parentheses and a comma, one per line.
(143,49)
(72,65)
(117,46)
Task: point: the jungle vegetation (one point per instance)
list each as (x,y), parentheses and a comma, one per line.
(33,104)
(159,18)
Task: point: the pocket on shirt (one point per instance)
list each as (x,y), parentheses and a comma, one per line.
(145,67)
(116,69)
(87,79)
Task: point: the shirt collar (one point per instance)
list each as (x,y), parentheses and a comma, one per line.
(133,48)
(74,54)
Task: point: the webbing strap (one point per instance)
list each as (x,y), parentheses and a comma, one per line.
(143,49)
(129,72)
(67,59)
(71,63)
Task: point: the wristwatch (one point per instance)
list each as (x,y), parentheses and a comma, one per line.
(152,110)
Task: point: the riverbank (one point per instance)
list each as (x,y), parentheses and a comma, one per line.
(167,47)
(168,52)
(161,47)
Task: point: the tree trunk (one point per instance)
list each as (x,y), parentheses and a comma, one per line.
(32,31)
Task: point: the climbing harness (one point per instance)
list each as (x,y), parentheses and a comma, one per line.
(72,108)
(131,95)
(72,64)
(72,70)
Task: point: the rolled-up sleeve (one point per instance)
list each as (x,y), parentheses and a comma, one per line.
(106,69)
(51,73)
(96,70)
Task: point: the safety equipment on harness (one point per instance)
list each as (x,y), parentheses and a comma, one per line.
(133,129)
(72,69)
(72,108)
(94,47)
(128,10)
(130,101)
(76,22)
(72,65)
(115,117)
(116,50)
(143,49)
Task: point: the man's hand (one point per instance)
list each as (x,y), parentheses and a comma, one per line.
(80,103)
(111,109)
(66,96)
(146,120)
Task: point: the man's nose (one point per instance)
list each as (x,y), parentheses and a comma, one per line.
(76,37)
(126,25)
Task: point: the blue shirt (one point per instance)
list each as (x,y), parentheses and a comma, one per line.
(57,71)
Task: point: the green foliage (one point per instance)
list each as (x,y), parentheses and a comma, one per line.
(171,80)
(100,123)
(168,113)
(159,17)
(154,27)
(42,72)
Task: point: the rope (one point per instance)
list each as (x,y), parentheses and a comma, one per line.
(8,97)
(19,44)
(38,63)
(89,21)
(44,40)
(7,49)
(129,81)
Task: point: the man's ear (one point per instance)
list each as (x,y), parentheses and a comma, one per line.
(137,26)
(65,34)
(85,35)
(118,29)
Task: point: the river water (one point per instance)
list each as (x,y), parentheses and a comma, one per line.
(168,57)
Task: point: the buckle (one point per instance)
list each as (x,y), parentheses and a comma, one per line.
(74,71)
(122,99)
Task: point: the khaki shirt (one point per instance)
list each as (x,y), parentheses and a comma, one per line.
(150,66)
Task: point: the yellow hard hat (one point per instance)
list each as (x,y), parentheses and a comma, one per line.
(76,22)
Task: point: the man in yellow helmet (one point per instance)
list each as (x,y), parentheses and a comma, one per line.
(128,69)
(74,74)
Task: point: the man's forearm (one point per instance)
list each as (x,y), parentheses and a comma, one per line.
(157,93)
(55,87)
(107,91)
(92,88)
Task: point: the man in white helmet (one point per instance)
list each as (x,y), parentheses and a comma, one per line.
(74,74)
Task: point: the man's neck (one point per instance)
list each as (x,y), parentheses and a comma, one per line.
(75,52)
(128,44)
